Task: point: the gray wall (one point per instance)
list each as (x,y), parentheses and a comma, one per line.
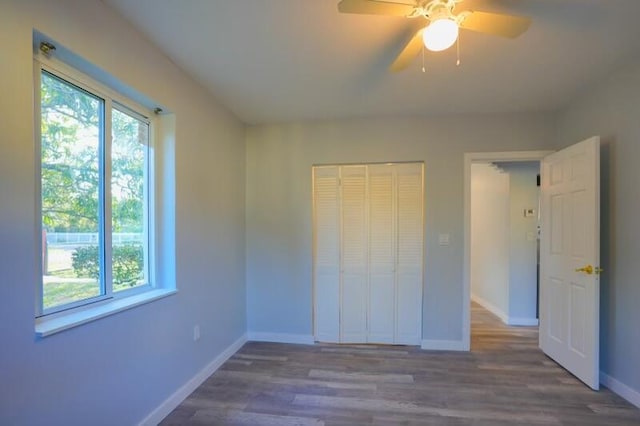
(490,238)
(279,160)
(118,369)
(523,193)
(611,109)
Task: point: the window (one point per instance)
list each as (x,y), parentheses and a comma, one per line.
(96,192)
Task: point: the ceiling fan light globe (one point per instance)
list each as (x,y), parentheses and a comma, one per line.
(440,34)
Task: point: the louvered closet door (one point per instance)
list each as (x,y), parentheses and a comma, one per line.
(382,249)
(368,255)
(326,208)
(409,254)
(353,314)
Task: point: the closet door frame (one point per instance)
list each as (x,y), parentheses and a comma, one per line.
(337,336)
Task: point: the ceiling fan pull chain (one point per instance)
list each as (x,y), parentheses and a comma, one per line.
(458,50)
(423,68)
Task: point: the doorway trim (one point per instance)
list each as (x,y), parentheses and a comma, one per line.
(470,158)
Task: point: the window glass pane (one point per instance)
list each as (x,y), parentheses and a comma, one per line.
(129,195)
(70,170)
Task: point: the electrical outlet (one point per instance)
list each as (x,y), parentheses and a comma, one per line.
(196,332)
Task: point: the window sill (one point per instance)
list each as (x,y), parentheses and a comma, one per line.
(48,326)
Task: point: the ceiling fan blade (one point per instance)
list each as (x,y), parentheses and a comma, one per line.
(496,24)
(373,7)
(409,52)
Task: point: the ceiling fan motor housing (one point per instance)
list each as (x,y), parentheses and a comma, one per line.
(437,9)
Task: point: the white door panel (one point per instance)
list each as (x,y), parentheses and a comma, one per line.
(409,262)
(382,307)
(382,253)
(326,252)
(353,318)
(353,304)
(409,309)
(569,318)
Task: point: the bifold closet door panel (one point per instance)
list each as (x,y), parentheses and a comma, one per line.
(353,313)
(326,210)
(382,249)
(410,254)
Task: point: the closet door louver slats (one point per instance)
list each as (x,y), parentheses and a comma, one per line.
(368,253)
(382,250)
(327,253)
(353,313)
(410,255)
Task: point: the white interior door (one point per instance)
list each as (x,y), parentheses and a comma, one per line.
(409,258)
(569,259)
(382,254)
(353,300)
(326,253)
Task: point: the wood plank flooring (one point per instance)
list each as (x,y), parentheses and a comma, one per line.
(504,380)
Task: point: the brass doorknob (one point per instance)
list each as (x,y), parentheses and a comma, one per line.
(589,270)
(586,269)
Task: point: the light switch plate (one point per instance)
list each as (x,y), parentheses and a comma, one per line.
(443,239)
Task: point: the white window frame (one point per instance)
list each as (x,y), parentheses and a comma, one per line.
(61,317)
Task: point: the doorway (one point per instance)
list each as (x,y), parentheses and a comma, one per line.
(497,298)
(569,249)
(504,239)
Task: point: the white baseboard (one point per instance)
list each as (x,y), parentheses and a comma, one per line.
(162,411)
(491,308)
(443,345)
(523,321)
(616,386)
(300,339)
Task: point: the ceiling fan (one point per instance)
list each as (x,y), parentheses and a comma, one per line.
(442,30)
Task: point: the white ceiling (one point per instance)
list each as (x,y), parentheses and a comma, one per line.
(295,60)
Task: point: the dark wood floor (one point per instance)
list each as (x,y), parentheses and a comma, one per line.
(504,380)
